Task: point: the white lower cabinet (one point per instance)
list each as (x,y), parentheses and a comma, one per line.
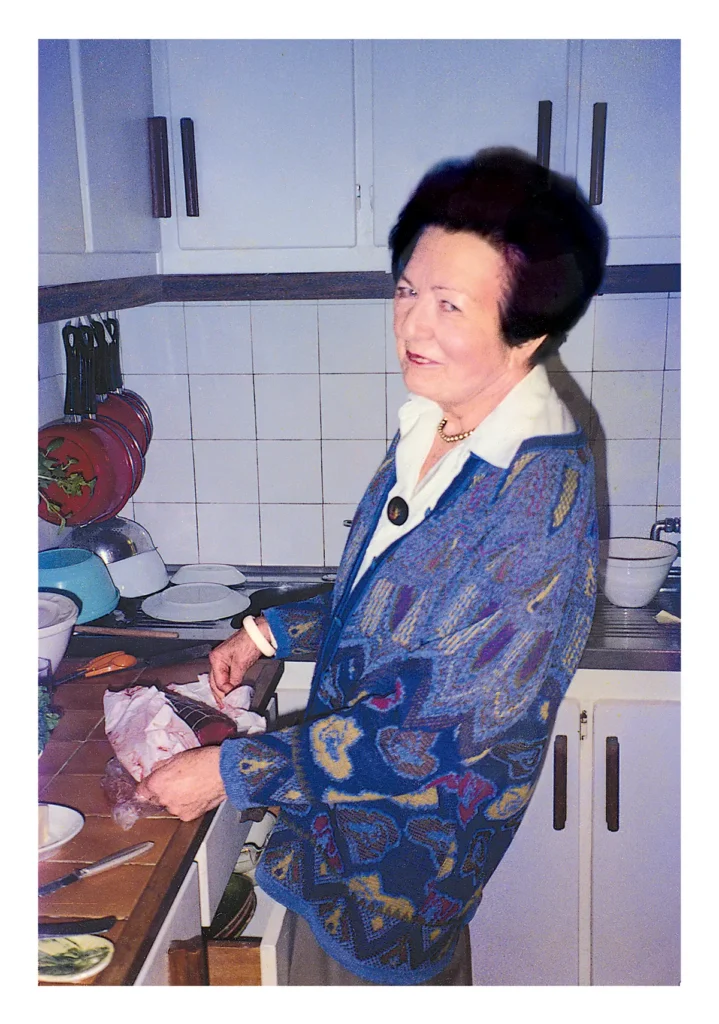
(526,931)
(597,901)
(636,843)
(182,922)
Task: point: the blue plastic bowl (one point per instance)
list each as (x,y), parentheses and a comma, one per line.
(83,574)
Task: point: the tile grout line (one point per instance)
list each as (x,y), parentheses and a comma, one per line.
(257,445)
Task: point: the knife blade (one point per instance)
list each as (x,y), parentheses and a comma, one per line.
(114,860)
(86,926)
(159,661)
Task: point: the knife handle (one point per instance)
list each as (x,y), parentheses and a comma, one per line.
(114,859)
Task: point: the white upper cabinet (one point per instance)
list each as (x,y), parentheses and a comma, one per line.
(639,80)
(274,141)
(60,220)
(438,99)
(95,209)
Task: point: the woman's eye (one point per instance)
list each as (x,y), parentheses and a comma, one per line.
(449,307)
(403,291)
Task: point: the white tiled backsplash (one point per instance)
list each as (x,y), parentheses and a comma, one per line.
(270,418)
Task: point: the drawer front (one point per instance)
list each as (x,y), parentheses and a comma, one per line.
(182,922)
(217,857)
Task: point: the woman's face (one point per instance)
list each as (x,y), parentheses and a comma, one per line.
(447,323)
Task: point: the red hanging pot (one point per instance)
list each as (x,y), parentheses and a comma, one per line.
(85,471)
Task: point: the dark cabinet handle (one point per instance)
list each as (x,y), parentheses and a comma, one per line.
(612,783)
(544,132)
(189,166)
(560,783)
(599,138)
(159,167)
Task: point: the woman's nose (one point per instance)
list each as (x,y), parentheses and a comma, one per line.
(417,322)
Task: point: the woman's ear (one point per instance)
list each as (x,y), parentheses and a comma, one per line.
(525,351)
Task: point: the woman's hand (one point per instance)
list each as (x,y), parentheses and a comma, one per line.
(187,784)
(231,659)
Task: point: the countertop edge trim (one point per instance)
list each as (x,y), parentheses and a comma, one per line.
(63,301)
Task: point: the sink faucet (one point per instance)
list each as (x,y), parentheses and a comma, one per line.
(667,525)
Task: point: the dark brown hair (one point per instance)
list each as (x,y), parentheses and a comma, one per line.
(553,243)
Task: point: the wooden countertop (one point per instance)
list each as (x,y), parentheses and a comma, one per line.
(70,770)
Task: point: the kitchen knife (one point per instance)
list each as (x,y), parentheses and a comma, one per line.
(159,661)
(87,926)
(112,861)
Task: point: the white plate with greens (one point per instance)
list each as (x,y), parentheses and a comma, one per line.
(72,957)
(57,825)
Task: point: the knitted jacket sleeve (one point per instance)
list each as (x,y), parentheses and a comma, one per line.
(422,718)
(299,628)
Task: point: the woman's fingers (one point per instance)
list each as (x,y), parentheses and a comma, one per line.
(228,663)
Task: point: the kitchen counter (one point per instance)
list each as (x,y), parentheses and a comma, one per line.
(141,892)
(627,639)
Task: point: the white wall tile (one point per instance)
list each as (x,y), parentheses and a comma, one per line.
(353,405)
(348,467)
(169,473)
(397,395)
(630,332)
(673,356)
(226,471)
(51,399)
(575,391)
(352,337)
(630,470)
(284,337)
(168,397)
(626,520)
(336,533)
(288,406)
(292,535)
(575,354)
(229,534)
(391,360)
(218,338)
(669,492)
(51,355)
(222,406)
(48,535)
(671,410)
(290,471)
(152,339)
(173,528)
(628,404)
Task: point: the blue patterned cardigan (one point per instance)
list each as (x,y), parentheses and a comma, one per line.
(437,682)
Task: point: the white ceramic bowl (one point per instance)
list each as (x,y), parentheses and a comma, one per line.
(632,569)
(57,616)
(209,572)
(139,575)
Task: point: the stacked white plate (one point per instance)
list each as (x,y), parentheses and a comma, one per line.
(195,602)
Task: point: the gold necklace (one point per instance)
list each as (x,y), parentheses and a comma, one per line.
(451,438)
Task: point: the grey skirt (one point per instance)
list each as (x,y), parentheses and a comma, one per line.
(310,965)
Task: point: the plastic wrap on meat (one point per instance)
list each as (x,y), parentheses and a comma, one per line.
(119,788)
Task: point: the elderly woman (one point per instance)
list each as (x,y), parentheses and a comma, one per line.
(462,603)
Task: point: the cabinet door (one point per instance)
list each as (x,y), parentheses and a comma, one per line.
(526,930)
(635,869)
(182,922)
(638,79)
(117,101)
(60,223)
(274,137)
(436,99)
